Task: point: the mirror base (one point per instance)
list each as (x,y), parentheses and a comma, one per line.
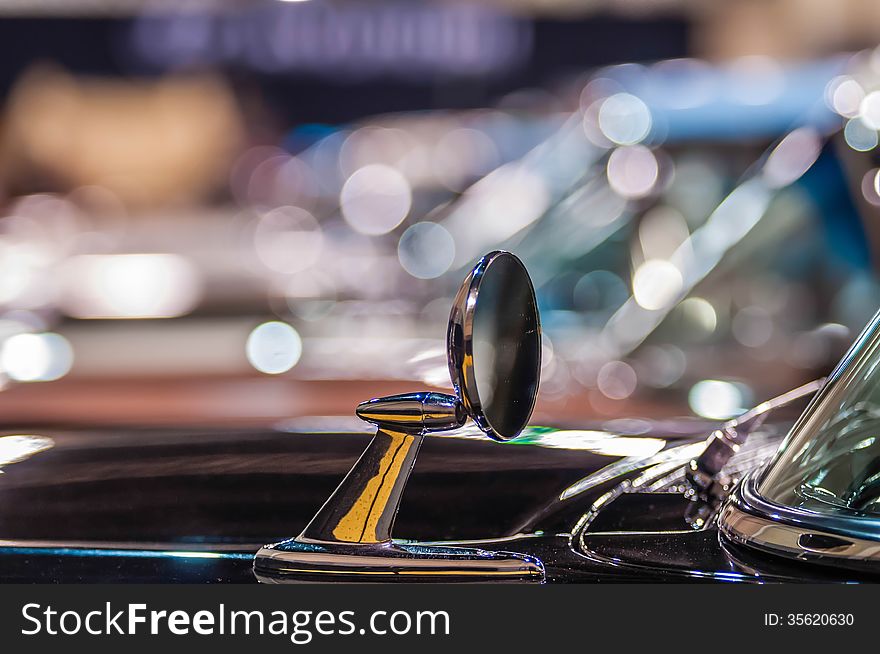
(297,560)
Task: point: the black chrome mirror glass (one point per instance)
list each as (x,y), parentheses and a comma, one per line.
(494,351)
(494,345)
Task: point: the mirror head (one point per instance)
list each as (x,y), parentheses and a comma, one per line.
(493,345)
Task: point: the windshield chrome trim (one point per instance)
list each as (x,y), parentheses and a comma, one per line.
(747,519)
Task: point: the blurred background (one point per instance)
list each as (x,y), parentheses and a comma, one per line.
(259,211)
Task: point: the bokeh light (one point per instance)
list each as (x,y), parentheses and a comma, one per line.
(871,186)
(624,119)
(656,284)
(426,250)
(36,357)
(859,136)
(273,347)
(617,380)
(844,95)
(716,399)
(869,110)
(632,171)
(130,286)
(701,313)
(375,199)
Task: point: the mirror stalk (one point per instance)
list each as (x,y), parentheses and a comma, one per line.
(363,507)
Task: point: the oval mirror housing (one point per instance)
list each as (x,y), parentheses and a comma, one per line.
(494,345)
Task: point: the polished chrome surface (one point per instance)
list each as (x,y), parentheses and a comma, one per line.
(746,520)
(295,560)
(494,345)
(416,413)
(350,537)
(748,529)
(363,507)
(351,534)
(775,527)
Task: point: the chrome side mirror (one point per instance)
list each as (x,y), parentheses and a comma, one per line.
(493,347)
(494,353)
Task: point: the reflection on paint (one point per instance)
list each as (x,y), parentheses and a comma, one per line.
(19,447)
(136,554)
(597,442)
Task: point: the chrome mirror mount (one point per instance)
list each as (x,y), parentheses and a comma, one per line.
(494,354)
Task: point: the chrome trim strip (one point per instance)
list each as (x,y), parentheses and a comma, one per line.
(747,529)
(746,519)
(296,561)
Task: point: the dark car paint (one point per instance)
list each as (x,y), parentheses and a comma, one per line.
(217,486)
(107,505)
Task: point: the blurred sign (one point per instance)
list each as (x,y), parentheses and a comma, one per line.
(396,38)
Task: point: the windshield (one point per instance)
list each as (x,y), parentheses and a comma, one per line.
(830,462)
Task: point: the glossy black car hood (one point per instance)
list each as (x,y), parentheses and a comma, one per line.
(256,486)
(194,505)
